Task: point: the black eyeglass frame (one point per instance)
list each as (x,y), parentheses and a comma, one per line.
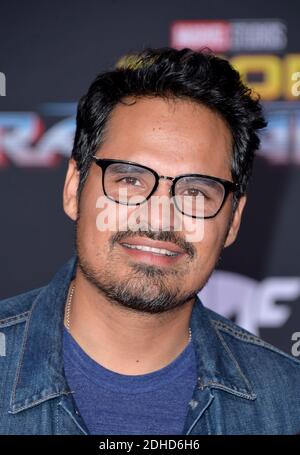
(229,187)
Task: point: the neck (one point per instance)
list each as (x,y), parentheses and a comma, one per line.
(123,340)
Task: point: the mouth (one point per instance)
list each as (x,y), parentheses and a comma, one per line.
(153,252)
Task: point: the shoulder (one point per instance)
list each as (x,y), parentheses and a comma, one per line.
(250,349)
(244,362)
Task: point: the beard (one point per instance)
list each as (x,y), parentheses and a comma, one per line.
(144,287)
(140,287)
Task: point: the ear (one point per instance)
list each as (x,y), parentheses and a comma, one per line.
(70,190)
(235,225)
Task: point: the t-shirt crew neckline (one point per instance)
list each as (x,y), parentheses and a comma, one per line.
(127,383)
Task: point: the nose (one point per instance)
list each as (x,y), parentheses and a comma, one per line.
(164,187)
(161,214)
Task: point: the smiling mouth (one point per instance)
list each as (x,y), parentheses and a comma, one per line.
(148,249)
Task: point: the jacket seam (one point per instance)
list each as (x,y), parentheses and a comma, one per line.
(72,417)
(14,319)
(41,400)
(235,363)
(239,393)
(251,339)
(192,426)
(21,357)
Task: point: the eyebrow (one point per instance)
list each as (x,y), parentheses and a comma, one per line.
(123,167)
(202,178)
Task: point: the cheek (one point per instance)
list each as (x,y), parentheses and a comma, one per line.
(209,248)
(112,217)
(91,236)
(207,254)
(100,217)
(100,220)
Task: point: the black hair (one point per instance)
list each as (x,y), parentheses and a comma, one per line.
(200,76)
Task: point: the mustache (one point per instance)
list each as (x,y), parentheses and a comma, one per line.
(163,236)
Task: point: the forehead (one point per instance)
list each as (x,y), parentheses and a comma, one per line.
(169,134)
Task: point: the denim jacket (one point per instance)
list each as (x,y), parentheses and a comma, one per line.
(244,386)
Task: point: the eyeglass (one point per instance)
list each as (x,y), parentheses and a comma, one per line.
(127,181)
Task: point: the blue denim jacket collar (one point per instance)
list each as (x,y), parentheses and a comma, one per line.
(43,347)
(216,364)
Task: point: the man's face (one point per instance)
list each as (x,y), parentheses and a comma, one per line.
(172,138)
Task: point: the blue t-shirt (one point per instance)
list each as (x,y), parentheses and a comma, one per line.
(112,403)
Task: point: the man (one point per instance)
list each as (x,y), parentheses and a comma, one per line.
(119,342)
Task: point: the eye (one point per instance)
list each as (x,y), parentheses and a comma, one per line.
(195,192)
(130,181)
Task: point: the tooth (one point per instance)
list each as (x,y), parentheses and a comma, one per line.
(154,250)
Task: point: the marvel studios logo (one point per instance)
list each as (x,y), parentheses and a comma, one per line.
(230,36)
